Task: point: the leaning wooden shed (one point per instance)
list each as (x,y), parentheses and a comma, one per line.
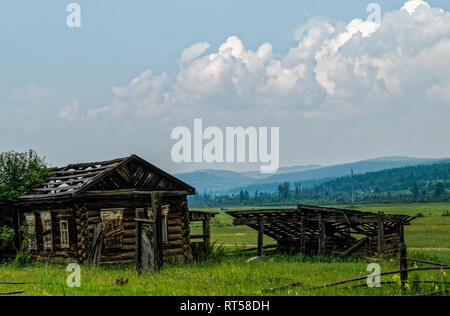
(100,212)
(326,231)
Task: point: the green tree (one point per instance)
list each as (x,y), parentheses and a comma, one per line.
(19,172)
(415,190)
(284,190)
(439,190)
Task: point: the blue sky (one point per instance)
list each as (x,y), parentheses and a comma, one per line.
(47,67)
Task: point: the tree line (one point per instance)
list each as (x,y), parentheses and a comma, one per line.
(425,183)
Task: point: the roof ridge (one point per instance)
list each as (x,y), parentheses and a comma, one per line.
(87,164)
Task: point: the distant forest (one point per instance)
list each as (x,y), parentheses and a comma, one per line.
(425,183)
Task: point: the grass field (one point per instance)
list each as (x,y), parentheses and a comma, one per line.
(427,238)
(428,232)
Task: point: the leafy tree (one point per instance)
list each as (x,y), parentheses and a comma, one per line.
(19,172)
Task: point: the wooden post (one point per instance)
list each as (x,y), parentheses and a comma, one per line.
(380,233)
(303,241)
(138,236)
(138,245)
(402,233)
(403,265)
(261,238)
(207,232)
(156,206)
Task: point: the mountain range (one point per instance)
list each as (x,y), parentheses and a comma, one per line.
(224,181)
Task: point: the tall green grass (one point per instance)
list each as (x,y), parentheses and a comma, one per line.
(217,273)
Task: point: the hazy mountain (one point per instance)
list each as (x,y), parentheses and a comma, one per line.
(345,169)
(424,183)
(212,181)
(222,181)
(391,180)
(282,170)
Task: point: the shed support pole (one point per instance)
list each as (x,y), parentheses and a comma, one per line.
(261,238)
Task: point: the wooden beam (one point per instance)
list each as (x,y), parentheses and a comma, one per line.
(133,192)
(207,232)
(355,247)
(402,233)
(138,246)
(403,266)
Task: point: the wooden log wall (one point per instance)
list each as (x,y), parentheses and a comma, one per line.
(178,230)
(81,219)
(128,250)
(178,245)
(58,253)
(84,216)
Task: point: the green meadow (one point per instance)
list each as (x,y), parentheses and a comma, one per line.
(227,274)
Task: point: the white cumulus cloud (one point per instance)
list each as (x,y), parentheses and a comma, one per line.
(336,70)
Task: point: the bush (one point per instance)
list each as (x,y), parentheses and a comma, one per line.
(7,235)
(215,254)
(419,215)
(446,213)
(24,258)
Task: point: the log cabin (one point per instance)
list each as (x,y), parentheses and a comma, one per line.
(64,216)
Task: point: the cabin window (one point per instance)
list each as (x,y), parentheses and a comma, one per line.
(47,234)
(64,228)
(30,237)
(113,224)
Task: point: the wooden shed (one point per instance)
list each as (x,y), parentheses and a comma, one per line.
(105,212)
(326,231)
